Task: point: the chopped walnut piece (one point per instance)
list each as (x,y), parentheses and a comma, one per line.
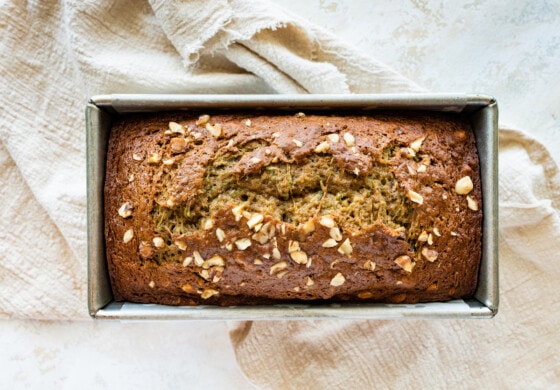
(415,197)
(349,139)
(330,243)
(464,185)
(242,243)
(158,242)
(215,130)
(276,253)
(176,128)
(416,144)
(296,288)
(260,237)
(136,157)
(220,234)
(254,220)
(131,178)
(248,123)
(335,234)
(213,261)
(169,161)
(229,246)
(128,235)
(125,210)
(345,248)
(309,281)
(436,231)
(202,120)
(421,169)
(430,239)
(338,280)
(423,237)
(154,158)
(334,138)
(405,262)
(198,259)
(187,261)
(308,227)
(369,265)
(258,262)
(454,234)
(327,221)
(188,289)
(298,143)
(472,203)
(152,284)
(429,254)
(182,245)
(299,257)
(322,147)
(207,224)
(293,246)
(278,267)
(208,292)
(237,212)
(178,145)
(281,274)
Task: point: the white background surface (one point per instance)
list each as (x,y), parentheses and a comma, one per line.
(510,50)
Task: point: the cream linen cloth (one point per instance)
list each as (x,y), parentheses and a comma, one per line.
(57,54)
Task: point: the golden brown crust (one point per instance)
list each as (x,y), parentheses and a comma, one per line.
(416,238)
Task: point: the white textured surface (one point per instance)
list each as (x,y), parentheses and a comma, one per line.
(507,49)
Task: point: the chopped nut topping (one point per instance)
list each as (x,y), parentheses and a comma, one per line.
(220,234)
(430,239)
(308,227)
(464,185)
(299,257)
(345,248)
(276,253)
(338,280)
(258,262)
(327,221)
(215,130)
(472,204)
(208,292)
(169,161)
(204,274)
(365,295)
(415,197)
(247,214)
(158,242)
(298,143)
(349,139)
(255,160)
(198,259)
(128,235)
(202,120)
(260,237)
(255,220)
(152,284)
(125,210)
(281,274)
(229,246)
(296,288)
(423,237)
(309,282)
(207,224)
(405,262)
(154,158)
(187,261)
(178,145)
(237,212)
(293,246)
(269,229)
(417,143)
(309,261)
(436,231)
(131,178)
(335,234)
(215,260)
(216,279)
(334,138)
(275,135)
(278,267)
(408,152)
(421,169)
(170,202)
(369,265)
(176,128)
(454,234)
(266,256)
(330,243)
(300,115)
(242,243)
(283,228)
(182,245)
(136,157)
(188,289)
(429,254)
(322,147)
(248,123)
(444,196)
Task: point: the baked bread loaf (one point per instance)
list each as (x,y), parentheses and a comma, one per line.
(259,209)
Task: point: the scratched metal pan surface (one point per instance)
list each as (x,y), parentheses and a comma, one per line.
(482,111)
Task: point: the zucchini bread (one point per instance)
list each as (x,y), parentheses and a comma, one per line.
(232,209)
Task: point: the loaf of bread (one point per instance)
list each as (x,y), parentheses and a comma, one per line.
(233,209)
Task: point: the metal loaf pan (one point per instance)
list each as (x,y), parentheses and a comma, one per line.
(482,111)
